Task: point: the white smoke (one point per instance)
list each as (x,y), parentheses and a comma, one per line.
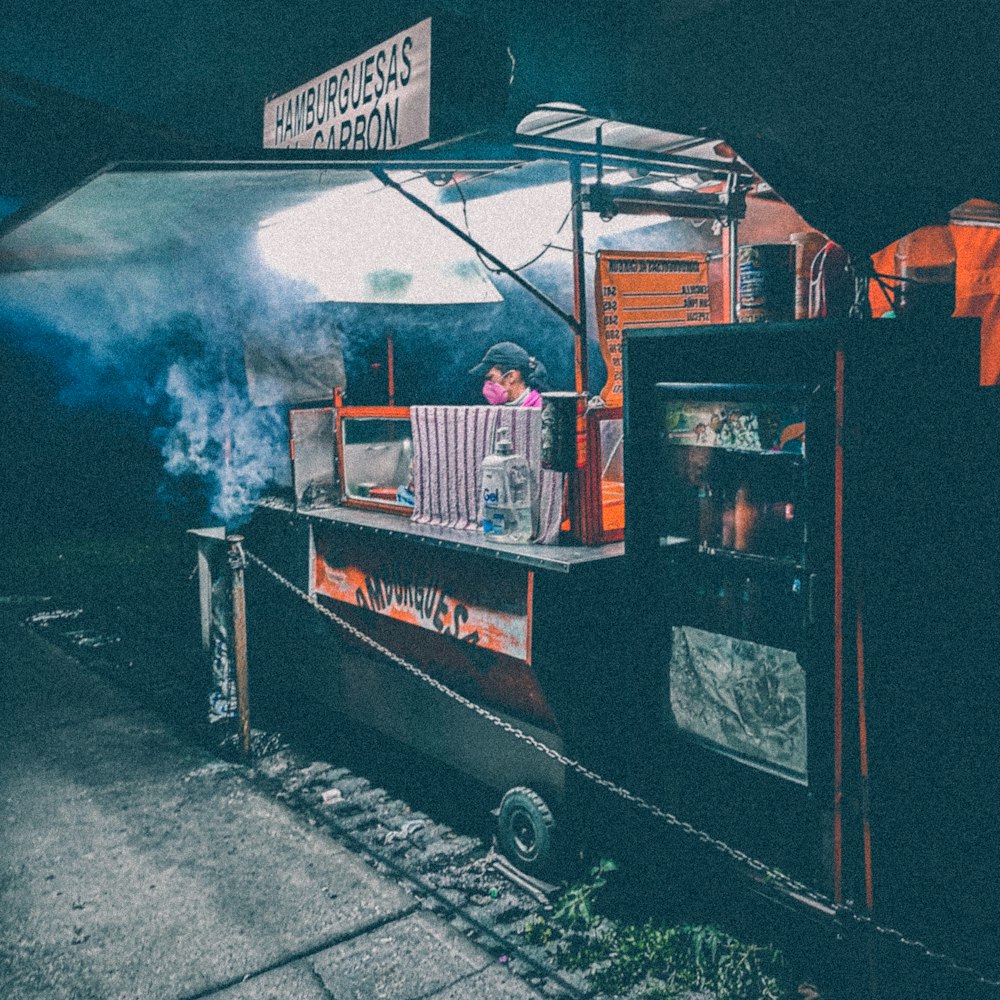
(166,343)
(221,438)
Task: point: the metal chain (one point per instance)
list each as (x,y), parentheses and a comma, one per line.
(926,950)
(774,874)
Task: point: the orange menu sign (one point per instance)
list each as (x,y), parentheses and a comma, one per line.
(638,289)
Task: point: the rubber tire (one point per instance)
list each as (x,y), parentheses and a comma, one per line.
(526,831)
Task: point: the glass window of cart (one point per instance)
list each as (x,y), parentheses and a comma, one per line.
(377,459)
(611,456)
(734,483)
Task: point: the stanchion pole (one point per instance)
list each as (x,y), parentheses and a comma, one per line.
(237,562)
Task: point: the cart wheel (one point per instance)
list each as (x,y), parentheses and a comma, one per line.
(525,829)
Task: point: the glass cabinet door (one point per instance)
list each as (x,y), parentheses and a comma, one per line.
(600,511)
(732,474)
(314,473)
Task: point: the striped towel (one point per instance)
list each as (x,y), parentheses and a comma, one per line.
(449,444)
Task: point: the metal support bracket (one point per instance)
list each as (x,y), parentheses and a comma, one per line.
(566,317)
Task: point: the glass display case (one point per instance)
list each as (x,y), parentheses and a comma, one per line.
(603,482)
(375,458)
(732,483)
(734,468)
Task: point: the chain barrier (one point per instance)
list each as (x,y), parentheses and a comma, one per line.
(775,875)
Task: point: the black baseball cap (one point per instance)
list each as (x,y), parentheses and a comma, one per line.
(506,356)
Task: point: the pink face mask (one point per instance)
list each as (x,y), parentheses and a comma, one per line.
(494,392)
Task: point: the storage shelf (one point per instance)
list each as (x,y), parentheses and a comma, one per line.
(751,558)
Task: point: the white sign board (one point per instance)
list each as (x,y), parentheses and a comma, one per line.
(378,101)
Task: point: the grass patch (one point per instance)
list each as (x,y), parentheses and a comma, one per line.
(651,960)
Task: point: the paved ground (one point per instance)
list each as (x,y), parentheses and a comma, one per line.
(134,865)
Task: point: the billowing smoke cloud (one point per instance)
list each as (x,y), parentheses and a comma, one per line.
(216,434)
(165,338)
(145,288)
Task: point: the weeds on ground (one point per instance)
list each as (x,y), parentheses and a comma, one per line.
(653,961)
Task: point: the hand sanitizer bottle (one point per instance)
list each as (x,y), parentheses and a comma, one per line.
(506,492)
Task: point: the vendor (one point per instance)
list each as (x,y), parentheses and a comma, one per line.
(513,377)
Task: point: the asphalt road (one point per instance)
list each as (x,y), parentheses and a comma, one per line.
(135,865)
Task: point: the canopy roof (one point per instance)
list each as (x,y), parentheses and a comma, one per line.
(568,127)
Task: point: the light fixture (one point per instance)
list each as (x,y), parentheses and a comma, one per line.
(610,200)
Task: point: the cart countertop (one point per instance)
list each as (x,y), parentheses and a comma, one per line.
(560,558)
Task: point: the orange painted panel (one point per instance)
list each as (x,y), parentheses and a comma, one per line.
(977,288)
(488,610)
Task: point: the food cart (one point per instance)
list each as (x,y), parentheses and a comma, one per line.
(383,523)
(583,644)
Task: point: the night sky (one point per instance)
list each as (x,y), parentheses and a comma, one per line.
(201,69)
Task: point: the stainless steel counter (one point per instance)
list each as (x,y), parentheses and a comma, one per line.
(560,558)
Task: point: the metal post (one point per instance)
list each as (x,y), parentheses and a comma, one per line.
(205,594)
(732,261)
(208,542)
(579,280)
(574,480)
(237,562)
(390,367)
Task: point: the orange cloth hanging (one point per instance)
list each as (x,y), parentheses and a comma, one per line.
(977,288)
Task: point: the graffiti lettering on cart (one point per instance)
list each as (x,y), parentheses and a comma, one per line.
(392,594)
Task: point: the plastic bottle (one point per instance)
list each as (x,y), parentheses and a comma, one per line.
(506,480)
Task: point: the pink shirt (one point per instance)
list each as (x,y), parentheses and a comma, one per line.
(530,397)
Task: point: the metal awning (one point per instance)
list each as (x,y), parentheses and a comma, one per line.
(569,129)
(293,222)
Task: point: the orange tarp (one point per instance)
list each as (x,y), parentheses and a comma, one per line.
(977,288)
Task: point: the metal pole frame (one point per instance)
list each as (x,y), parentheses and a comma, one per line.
(735,208)
(579,280)
(237,563)
(732,264)
(380,173)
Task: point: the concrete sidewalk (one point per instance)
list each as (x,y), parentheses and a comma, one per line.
(135,866)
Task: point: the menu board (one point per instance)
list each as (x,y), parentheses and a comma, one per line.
(643,289)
